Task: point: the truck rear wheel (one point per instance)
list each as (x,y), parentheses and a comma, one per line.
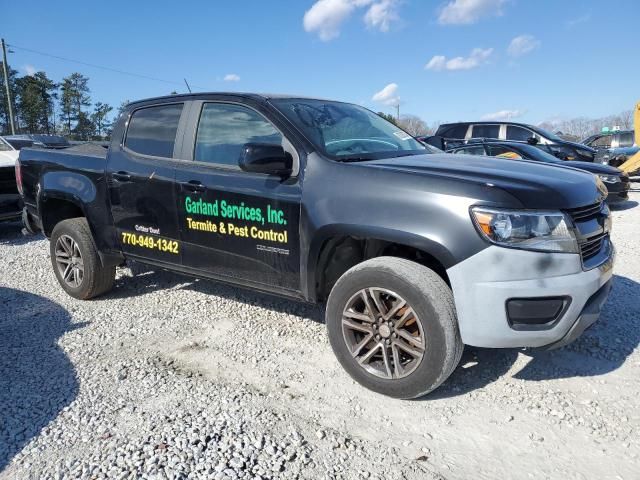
(392,325)
(76,262)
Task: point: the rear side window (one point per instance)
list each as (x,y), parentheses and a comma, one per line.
(476,150)
(152,130)
(486,131)
(503,152)
(518,134)
(225,128)
(454,131)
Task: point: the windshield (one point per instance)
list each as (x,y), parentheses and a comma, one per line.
(540,154)
(548,135)
(348,132)
(4,146)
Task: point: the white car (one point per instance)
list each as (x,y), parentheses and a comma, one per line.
(10,201)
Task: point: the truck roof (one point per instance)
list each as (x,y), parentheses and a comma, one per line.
(247,95)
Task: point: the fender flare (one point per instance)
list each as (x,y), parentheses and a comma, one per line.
(322,235)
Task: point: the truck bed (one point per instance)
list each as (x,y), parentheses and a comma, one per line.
(51,166)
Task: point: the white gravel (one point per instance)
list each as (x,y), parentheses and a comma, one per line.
(172,378)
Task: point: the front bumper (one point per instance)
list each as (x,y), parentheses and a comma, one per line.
(483,283)
(10,206)
(589,316)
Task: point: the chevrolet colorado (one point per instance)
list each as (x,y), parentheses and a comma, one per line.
(415,253)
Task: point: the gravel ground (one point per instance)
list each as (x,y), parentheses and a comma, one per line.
(168,377)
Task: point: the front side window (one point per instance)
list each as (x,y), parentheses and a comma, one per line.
(519,134)
(348,132)
(626,139)
(486,131)
(152,130)
(224,129)
(602,142)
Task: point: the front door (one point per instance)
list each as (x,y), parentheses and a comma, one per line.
(236,225)
(141,175)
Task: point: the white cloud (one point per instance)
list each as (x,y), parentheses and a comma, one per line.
(522,45)
(503,115)
(231,77)
(388,95)
(325,17)
(578,20)
(382,14)
(29,69)
(464,12)
(478,57)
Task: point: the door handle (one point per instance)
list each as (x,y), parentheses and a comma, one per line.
(121,176)
(193,186)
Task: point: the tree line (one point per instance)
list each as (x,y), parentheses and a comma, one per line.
(41,105)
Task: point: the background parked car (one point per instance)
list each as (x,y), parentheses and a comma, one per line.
(38,140)
(613,148)
(10,201)
(461,132)
(617,181)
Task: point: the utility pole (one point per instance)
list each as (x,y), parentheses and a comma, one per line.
(6,85)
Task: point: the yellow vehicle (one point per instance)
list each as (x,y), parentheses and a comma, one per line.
(632,165)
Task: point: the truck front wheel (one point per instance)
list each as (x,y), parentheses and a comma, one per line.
(392,324)
(76,262)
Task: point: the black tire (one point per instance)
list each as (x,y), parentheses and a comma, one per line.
(432,301)
(95,279)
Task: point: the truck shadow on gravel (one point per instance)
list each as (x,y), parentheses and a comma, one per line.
(620,207)
(37,380)
(600,350)
(11,234)
(145,280)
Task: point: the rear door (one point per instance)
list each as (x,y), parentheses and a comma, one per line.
(141,174)
(236,225)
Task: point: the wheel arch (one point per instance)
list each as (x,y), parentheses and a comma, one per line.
(336,248)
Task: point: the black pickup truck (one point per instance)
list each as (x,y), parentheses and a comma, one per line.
(415,253)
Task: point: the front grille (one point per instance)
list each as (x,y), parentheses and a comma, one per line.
(590,231)
(8,181)
(590,248)
(581,214)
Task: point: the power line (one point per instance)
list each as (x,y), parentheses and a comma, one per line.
(102,67)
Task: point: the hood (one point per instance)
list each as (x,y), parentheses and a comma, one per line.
(580,146)
(591,167)
(534,184)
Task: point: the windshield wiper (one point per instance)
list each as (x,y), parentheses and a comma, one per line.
(354,159)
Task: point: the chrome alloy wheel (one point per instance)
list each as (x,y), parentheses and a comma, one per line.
(69,261)
(383,334)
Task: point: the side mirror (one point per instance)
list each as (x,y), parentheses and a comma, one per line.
(266,158)
(532,141)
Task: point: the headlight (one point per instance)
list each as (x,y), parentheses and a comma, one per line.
(528,230)
(609,178)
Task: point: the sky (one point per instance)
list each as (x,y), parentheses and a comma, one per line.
(443,60)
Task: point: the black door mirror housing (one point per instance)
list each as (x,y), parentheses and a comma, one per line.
(266,158)
(532,141)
